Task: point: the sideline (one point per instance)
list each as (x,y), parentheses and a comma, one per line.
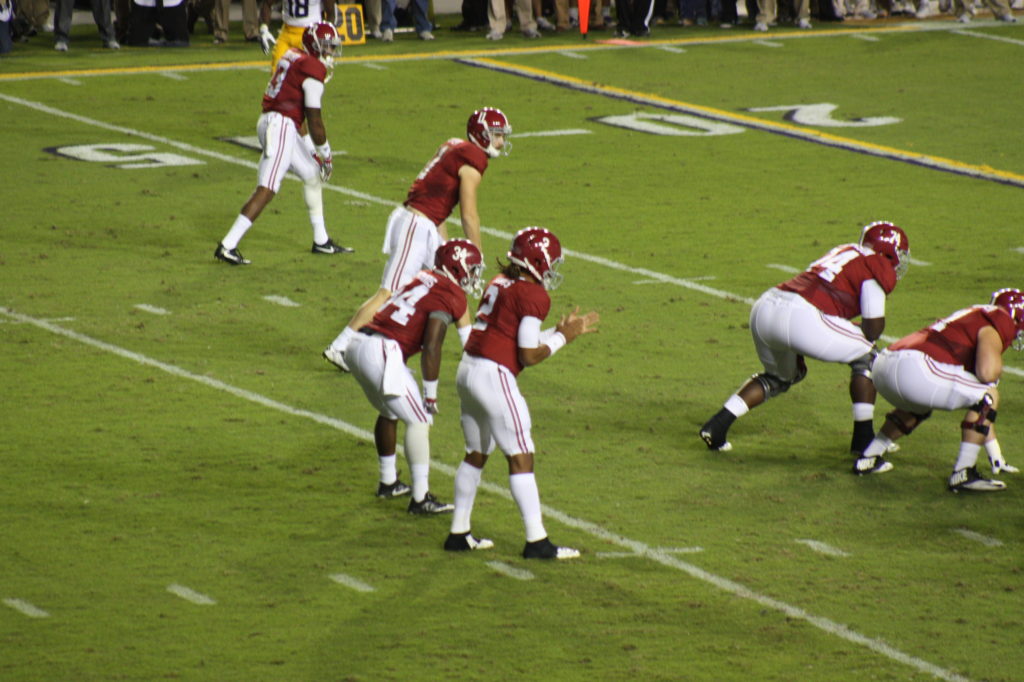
(658,555)
(740,36)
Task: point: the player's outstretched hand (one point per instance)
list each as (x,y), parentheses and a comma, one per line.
(574,324)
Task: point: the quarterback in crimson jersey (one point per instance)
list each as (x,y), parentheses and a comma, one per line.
(292,97)
(952,364)
(416,228)
(506,337)
(810,316)
(414,319)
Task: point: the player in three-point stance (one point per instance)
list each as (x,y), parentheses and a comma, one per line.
(810,316)
(414,319)
(507,337)
(293,96)
(951,365)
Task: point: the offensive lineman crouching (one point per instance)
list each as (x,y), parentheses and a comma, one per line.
(950,365)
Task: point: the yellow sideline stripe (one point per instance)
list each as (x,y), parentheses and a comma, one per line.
(750,121)
(595,44)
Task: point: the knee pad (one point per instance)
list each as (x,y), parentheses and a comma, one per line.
(772,384)
(862,365)
(906,429)
(985,413)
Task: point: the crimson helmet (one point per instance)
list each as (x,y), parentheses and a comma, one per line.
(889,240)
(486,122)
(321,41)
(1012,301)
(538,251)
(462,263)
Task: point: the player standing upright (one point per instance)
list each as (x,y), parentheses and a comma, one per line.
(952,364)
(810,315)
(415,318)
(506,338)
(292,97)
(297,15)
(416,228)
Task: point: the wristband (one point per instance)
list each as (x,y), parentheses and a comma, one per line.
(324,150)
(430,389)
(556,341)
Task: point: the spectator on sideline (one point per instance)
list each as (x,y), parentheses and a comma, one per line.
(171,15)
(415,318)
(634,18)
(964,10)
(32,16)
(953,364)
(810,315)
(221,16)
(6,20)
(420,11)
(293,96)
(474,16)
(506,338)
(100,14)
(498,19)
(767,13)
(416,228)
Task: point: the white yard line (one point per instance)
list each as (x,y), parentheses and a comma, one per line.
(510,571)
(822,548)
(26,609)
(978,537)
(145,307)
(190,595)
(657,555)
(352,583)
(282,301)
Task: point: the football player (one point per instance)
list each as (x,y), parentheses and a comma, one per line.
(951,365)
(416,228)
(414,319)
(296,17)
(292,97)
(811,316)
(507,337)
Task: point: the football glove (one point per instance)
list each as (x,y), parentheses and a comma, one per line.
(999,465)
(430,396)
(325,160)
(267,39)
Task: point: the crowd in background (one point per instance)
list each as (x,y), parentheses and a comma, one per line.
(174,23)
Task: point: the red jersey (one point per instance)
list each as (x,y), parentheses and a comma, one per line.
(505,303)
(832,283)
(954,339)
(435,191)
(404,317)
(284,92)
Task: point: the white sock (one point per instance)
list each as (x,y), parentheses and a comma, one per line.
(467,480)
(237,231)
(968,456)
(863,412)
(736,405)
(417,453)
(344,338)
(388,472)
(993,449)
(313,193)
(525,493)
(878,446)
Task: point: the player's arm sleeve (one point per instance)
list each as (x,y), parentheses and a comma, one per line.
(312,93)
(529,332)
(872,300)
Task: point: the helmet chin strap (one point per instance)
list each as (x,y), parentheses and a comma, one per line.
(328,62)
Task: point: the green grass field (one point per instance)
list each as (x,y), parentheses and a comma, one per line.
(188,487)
